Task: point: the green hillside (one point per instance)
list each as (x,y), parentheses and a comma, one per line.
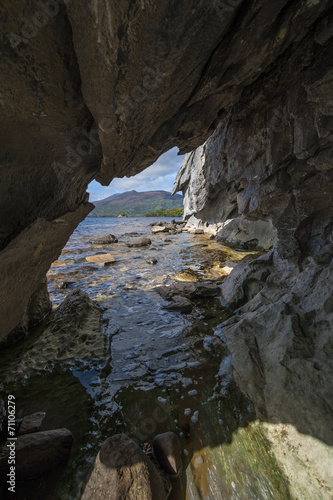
(136,204)
(167,212)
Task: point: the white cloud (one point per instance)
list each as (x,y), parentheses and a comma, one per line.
(160,176)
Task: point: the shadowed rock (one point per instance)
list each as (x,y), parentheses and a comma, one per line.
(37,453)
(167,451)
(31,423)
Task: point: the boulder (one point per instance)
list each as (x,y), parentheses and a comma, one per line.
(139,242)
(160,229)
(65,284)
(167,452)
(189,290)
(31,423)
(59,263)
(37,453)
(72,332)
(122,471)
(152,261)
(103,239)
(180,303)
(101,258)
(248,235)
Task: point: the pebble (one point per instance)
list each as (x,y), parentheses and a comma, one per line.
(187,411)
(195,417)
(186,382)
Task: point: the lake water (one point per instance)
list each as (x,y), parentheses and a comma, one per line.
(159,369)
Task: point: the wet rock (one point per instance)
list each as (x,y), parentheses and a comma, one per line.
(31,423)
(188,275)
(167,452)
(130,286)
(123,471)
(103,239)
(161,224)
(160,229)
(101,258)
(72,332)
(196,231)
(189,290)
(152,261)
(58,263)
(139,242)
(37,453)
(179,303)
(66,284)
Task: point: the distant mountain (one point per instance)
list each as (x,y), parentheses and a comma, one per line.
(135,204)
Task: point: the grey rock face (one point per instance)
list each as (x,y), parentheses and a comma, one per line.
(264,177)
(266,170)
(281,343)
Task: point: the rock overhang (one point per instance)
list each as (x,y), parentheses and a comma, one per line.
(92,92)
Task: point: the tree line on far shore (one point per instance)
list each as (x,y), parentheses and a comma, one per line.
(166,212)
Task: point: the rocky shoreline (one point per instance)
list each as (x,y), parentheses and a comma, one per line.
(179,331)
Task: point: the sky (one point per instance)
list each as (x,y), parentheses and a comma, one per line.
(159,176)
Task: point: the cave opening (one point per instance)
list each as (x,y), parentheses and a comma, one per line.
(211,336)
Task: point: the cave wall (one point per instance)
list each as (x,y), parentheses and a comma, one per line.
(270,161)
(270,158)
(100,89)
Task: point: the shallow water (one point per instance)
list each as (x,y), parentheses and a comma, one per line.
(161,370)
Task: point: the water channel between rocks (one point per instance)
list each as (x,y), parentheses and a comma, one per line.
(147,370)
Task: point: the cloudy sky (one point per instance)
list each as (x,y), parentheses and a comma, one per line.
(159,176)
